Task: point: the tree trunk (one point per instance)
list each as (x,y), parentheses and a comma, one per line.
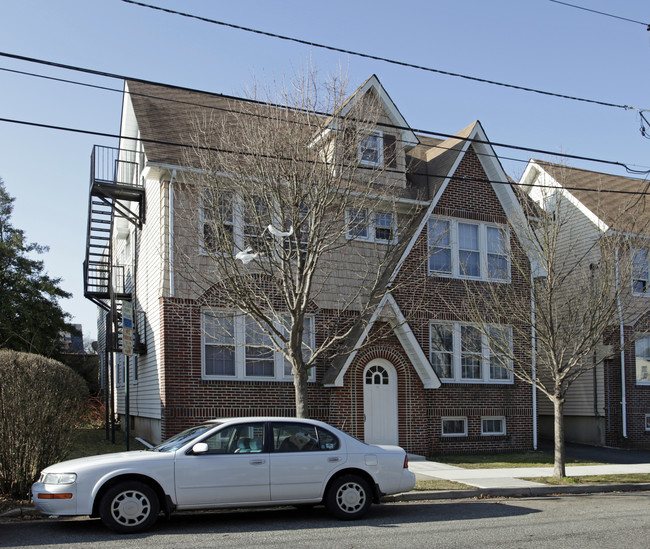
(558,436)
(302,398)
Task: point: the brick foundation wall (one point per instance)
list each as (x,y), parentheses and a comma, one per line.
(637,398)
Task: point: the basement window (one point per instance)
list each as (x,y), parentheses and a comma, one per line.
(454,426)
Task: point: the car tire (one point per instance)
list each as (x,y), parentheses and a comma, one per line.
(129,507)
(349,497)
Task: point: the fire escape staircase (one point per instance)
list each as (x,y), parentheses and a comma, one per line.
(115,193)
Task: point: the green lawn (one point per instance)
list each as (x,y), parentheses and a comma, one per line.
(90,442)
(500,461)
(600,479)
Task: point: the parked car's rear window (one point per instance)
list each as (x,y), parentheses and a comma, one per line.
(302,437)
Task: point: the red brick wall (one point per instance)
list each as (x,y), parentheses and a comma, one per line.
(187,399)
(637,397)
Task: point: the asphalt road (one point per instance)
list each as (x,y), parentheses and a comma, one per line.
(564,522)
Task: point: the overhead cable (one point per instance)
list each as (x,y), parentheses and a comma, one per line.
(262,103)
(220,150)
(379,58)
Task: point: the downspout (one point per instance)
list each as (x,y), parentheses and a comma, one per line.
(171,234)
(622,344)
(533,358)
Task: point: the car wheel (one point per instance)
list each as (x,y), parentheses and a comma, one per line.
(349,497)
(129,507)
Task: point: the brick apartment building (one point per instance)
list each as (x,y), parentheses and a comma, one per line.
(418,373)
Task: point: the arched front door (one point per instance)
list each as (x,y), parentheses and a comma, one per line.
(380,402)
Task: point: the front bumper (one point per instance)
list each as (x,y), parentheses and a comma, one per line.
(55,499)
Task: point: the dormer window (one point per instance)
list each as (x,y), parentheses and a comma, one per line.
(371,150)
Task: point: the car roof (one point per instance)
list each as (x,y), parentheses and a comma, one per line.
(226,420)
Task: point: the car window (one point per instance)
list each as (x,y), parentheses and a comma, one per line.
(245,438)
(181,439)
(301,437)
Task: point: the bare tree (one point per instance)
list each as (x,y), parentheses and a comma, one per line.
(578,295)
(286,195)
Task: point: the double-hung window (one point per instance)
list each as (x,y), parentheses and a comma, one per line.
(468,249)
(640,272)
(371,226)
(218,220)
(371,150)
(461,353)
(236,347)
(642,355)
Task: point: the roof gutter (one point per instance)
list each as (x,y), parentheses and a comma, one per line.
(622,344)
(171,234)
(533,358)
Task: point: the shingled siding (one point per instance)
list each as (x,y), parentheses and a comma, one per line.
(188,399)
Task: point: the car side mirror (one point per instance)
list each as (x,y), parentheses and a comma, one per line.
(200,448)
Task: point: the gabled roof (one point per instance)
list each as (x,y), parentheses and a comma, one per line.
(166,114)
(443,159)
(389,311)
(435,163)
(627,209)
(372,84)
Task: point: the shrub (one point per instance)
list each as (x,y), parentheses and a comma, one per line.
(40,402)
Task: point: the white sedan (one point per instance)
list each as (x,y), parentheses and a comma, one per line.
(238,462)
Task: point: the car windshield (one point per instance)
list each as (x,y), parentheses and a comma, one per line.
(181,439)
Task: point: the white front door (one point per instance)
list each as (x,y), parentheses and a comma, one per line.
(380,403)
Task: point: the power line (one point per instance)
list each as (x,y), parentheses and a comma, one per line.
(261,103)
(378,58)
(647,25)
(214,149)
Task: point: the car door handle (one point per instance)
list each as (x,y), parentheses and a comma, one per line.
(333,458)
(257,461)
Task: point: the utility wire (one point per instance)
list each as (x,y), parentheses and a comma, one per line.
(220,150)
(647,25)
(261,103)
(383,59)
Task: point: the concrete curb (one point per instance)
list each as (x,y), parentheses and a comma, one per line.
(477,493)
(516,492)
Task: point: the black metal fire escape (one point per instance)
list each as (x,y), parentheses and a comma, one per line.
(115,193)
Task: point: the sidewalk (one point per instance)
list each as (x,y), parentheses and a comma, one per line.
(512,482)
(514,477)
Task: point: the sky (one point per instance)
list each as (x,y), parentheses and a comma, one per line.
(535,44)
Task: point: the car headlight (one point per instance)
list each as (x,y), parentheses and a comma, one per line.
(59,478)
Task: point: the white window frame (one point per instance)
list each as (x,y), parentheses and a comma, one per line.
(637,366)
(236,224)
(485,433)
(647,422)
(453,418)
(486,354)
(239,343)
(379,136)
(641,274)
(369,223)
(454,246)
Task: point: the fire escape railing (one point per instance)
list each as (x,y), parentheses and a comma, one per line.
(116,192)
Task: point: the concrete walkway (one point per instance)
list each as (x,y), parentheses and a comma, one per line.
(512,477)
